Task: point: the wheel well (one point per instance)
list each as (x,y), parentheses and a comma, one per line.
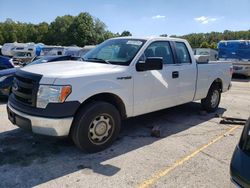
(218,82)
(110,98)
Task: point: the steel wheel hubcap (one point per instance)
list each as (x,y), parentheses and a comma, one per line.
(215,99)
(100,129)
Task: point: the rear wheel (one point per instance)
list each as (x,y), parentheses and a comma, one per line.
(212,100)
(96,126)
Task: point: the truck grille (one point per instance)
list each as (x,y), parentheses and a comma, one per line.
(25,87)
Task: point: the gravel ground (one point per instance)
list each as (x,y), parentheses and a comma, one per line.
(136,159)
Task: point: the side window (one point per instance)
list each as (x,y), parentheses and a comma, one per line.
(182,53)
(160,49)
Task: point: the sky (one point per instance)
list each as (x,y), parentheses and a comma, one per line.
(140,17)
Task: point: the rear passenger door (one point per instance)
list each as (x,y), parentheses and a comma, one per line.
(187,73)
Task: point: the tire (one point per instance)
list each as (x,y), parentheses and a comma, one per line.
(212,100)
(96,126)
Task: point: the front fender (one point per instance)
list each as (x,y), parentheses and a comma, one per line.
(121,88)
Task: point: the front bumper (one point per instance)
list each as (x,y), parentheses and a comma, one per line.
(40,125)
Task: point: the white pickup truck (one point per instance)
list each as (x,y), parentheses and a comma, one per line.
(120,78)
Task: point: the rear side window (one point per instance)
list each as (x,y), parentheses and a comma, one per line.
(160,49)
(182,53)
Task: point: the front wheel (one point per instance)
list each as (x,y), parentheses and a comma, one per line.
(96,126)
(212,100)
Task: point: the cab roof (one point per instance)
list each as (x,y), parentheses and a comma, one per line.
(152,38)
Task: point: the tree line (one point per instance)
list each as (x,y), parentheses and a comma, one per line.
(84,29)
(79,30)
(210,40)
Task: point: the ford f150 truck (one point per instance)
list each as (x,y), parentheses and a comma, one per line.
(120,78)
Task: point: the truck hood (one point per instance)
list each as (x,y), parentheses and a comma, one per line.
(69,69)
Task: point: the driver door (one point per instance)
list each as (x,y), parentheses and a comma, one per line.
(156,89)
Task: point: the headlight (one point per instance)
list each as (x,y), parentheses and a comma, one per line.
(51,94)
(3,78)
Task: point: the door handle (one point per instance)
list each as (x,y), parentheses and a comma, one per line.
(175,74)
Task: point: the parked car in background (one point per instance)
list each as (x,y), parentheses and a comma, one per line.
(7,76)
(5,63)
(52,50)
(72,50)
(79,52)
(22,57)
(47,59)
(120,78)
(240,163)
(8,48)
(85,50)
(32,49)
(6,81)
(208,53)
(237,52)
(26,53)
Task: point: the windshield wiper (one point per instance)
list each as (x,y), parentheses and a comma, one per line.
(100,60)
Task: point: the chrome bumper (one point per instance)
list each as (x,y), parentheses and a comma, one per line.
(42,125)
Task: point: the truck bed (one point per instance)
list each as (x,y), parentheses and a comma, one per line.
(207,72)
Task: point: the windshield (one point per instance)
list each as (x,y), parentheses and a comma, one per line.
(115,51)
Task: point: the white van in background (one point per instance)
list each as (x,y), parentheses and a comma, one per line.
(8,48)
(52,50)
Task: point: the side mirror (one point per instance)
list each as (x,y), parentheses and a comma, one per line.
(151,63)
